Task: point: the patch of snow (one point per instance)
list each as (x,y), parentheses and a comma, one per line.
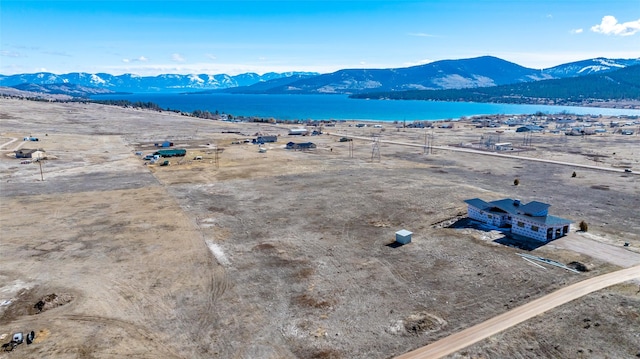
(608,63)
(14,287)
(593,68)
(95,79)
(218,253)
(540,77)
(456,81)
(415,87)
(195,78)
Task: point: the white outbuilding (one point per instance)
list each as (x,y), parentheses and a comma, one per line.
(403,236)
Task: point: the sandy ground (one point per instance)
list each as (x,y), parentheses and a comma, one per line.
(285,254)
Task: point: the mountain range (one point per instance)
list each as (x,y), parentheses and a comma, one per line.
(135,83)
(486,71)
(479,72)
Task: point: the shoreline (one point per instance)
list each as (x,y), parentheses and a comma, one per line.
(440,112)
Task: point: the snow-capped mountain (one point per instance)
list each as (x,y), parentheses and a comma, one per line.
(587,67)
(485,71)
(134,83)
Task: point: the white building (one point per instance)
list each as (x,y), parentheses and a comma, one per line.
(298,131)
(403,236)
(529,220)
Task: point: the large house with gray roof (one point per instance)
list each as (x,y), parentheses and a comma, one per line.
(530,220)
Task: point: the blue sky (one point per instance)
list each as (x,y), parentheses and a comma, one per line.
(152,37)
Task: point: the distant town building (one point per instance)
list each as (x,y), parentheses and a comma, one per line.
(264,139)
(27,153)
(300,146)
(530,220)
(164,144)
(529,128)
(298,131)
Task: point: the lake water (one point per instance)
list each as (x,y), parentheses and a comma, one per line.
(340,107)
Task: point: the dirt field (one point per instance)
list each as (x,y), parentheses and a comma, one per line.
(286,254)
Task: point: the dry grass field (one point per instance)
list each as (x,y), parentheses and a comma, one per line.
(286,254)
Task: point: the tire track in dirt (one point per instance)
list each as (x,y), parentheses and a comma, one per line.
(135,331)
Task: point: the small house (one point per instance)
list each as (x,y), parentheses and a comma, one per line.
(164,144)
(264,139)
(27,153)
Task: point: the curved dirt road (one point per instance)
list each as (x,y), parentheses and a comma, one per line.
(504,321)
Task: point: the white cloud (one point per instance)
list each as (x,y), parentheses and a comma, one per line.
(56,53)
(177,58)
(211,57)
(209,68)
(139,59)
(611,26)
(7,53)
(421,34)
(576,31)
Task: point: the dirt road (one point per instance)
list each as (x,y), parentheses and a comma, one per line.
(504,321)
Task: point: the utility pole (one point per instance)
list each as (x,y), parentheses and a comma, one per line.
(41,174)
(375,150)
(351,148)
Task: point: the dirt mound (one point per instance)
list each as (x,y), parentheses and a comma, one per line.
(416,324)
(578,266)
(51,301)
(422,322)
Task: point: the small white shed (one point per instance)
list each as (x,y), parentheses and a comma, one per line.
(403,236)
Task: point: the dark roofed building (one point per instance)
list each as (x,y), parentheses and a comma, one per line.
(529,128)
(530,220)
(301,146)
